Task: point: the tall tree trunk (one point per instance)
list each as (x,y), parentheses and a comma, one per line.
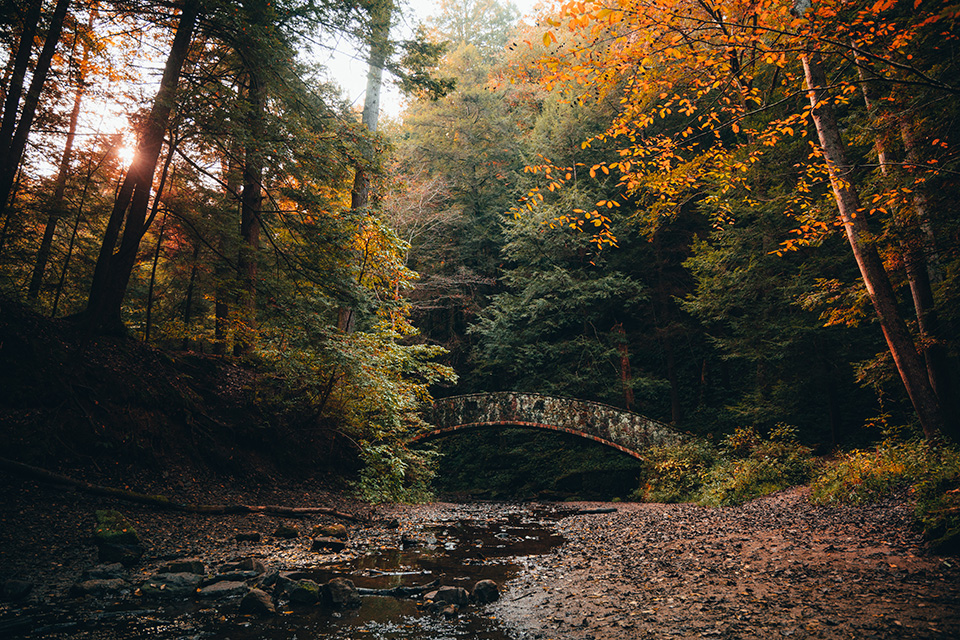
(224,294)
(188,302)
(905,356)
(11,103)
(12,153)
(251,201)
(55,205)
(112,272)
(381,15)
(918,247)
(148,323)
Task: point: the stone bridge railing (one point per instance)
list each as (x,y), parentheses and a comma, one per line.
(629,432)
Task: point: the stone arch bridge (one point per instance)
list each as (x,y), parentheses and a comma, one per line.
(623,430)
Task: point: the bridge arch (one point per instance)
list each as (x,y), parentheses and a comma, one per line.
(628,432)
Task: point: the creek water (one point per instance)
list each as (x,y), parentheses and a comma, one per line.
(482,544)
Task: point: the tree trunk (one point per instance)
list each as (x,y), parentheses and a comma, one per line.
(188,303)
(148,323)
(55,205)
(381,15)
(11,154)
(14,88)
(112,272)
(226,246)
(905,356)
(918,247)
(251,201)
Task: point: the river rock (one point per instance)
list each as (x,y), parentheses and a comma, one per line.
(126,554)
(13,590)
(341,593)
(257,603)
(186,565)
(330,531)
(223,589)
(243,564)
(485,592)
(230,576)
(171,585)
(450,611)
(328,544)
(452,595)
(305,592)
(286,532)
(105,572)
(99,587)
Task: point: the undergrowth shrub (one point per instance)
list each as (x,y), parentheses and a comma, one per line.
(930,471)
(752,466)
(673,471)
(745,466)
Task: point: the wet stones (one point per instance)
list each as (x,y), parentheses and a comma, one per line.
(341,593)
(100,587)
(186,565)
(485,592)
(223,589)
(171,585)
(257,603)
(305,592)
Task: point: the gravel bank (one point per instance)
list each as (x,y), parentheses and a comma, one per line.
(776,567)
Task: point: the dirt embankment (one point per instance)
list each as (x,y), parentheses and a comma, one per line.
(777,567)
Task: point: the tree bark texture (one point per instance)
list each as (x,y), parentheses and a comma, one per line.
(899,341)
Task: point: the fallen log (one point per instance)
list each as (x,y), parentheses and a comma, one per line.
(163,502)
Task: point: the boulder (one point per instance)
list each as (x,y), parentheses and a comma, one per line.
(333,545)
(223,589)
(286,532)
(13,590)
(341,593)
(485,592)
(105,572)
(186,565)
(114,528)
(99,587)
(126,554)
(257,603)
(452,595)
(330,531)
(305,592)
(171,585)
(252,564)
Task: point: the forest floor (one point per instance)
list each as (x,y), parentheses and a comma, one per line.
(776,567)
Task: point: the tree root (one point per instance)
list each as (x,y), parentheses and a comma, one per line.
(162,502)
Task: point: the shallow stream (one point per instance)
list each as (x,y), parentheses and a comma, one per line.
(484,542)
